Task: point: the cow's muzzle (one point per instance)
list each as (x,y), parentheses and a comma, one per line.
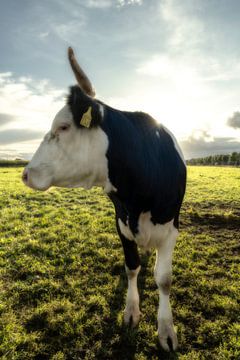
(32,178)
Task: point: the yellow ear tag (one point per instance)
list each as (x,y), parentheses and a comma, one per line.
(86,118)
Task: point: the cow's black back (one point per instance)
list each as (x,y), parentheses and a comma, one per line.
(144,166)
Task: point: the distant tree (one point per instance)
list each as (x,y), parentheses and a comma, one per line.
(232,159)
(13,163)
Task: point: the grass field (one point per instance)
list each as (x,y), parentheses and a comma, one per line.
(63,283)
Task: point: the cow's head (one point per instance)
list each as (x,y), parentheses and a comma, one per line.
(73,152)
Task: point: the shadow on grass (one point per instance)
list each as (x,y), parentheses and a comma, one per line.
(216,220)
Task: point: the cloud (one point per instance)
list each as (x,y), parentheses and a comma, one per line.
(129,2)
(18,135)
(186,75)
(43,35)
(100,4)
(6,118)
(5,76)
(176,71)
(234,120)
(185,30)
(11,154)
(27,110)
(186,41)
(27,102)
(69,30)
(201,144)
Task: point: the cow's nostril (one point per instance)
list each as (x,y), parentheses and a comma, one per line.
(25,175)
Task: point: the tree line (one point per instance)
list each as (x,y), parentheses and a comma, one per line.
(232,159)
(13,163)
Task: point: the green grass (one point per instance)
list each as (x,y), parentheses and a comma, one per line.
(63,283)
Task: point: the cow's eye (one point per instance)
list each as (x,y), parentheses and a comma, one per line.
(64,127)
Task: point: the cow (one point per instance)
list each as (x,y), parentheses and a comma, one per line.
(140,166)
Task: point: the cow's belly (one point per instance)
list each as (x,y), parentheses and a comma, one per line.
(149,235)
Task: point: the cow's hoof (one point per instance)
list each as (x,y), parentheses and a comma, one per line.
(132,315)
(165,331)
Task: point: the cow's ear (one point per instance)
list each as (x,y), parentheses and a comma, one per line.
(85,110)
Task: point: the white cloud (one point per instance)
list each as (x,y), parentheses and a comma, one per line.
(187,41)
(98,3)
(185,30)
(14,136)
(102,4)
(177,72)
(29,106)
(200,143)
(4,77)
(185,85)
(129,2)
(44,35)
(75,8)
(5,119)
(69,30)
(20,98)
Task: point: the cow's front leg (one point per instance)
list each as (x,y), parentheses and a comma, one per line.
(132,266)
(132,310)
(163,278)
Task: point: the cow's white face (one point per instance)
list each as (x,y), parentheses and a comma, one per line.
(69,156)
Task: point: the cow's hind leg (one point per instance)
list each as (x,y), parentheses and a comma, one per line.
(163,278)
(132,266)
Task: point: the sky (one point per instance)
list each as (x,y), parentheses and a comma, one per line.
(178,60)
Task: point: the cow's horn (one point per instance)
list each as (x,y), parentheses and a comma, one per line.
(80,75)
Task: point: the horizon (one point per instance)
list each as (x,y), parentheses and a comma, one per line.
(176,60)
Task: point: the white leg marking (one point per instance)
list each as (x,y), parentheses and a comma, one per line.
(125,230)
(132,301)
(163,274)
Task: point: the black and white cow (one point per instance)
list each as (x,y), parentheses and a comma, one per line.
(138,163)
